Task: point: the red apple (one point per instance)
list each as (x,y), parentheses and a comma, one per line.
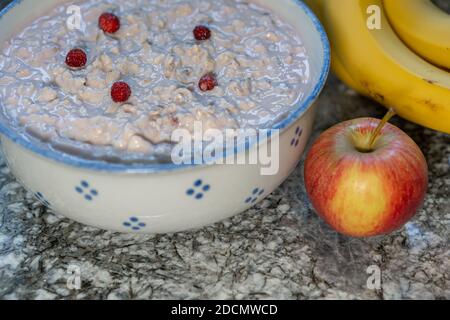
(365,178)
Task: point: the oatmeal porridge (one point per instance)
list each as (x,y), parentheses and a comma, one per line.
(136,70)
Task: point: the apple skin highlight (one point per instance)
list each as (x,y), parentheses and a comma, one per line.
(363,194)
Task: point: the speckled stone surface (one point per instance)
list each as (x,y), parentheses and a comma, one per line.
(279,249)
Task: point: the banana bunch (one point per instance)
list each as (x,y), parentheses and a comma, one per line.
(394,51)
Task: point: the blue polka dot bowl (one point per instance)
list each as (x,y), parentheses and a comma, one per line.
(160,198)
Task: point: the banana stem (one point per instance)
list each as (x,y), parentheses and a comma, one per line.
(380,126)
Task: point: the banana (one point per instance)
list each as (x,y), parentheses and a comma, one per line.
(316,6)
(383,67)
(336,65)
(423,27)
(342,73)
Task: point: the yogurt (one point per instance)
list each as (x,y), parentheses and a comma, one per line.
(259,61)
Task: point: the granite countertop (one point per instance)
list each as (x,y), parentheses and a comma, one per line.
(279,249)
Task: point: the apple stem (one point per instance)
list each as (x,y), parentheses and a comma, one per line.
(380,126)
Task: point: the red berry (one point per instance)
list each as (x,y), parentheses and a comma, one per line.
(202,33)
(208,82)
(120,91)
(109,22)
(76,58)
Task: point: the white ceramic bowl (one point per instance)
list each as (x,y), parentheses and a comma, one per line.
(161,198)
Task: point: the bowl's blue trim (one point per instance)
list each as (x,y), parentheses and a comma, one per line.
(150,168)
(9,6)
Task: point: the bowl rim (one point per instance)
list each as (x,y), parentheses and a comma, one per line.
(99,165)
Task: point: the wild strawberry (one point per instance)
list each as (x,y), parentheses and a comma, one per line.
(202,33)
(76,58)
(208,82)
(109,22)
(120,92)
